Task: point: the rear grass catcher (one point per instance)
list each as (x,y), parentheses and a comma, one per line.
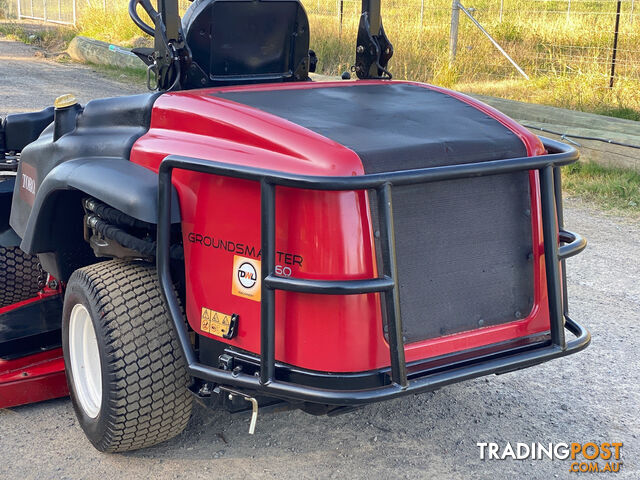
(253,238)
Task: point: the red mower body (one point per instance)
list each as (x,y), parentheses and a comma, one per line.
(254,238)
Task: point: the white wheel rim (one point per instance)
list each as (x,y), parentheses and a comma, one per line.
(85,361)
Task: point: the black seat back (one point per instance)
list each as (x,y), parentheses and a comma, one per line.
(246,41)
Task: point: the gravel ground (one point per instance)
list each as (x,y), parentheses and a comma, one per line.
(591,396)
(31,83)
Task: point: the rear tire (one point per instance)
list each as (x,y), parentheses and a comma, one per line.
(134,394)
(19,276)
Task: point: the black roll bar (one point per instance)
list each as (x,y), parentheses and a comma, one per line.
(559,154)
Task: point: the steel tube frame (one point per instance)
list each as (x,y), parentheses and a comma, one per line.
(559,154)
(268,294)
(391,298)
(550,236)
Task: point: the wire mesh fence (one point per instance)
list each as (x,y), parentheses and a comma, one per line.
(52,11)
(544,37)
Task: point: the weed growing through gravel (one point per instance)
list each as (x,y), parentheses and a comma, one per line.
(50,38)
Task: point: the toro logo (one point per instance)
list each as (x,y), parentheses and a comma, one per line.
(247,275)
(28,182)
(246,278)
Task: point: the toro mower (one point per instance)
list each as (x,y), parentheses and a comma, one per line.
(251,238)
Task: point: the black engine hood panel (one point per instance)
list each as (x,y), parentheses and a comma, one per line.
(391,126)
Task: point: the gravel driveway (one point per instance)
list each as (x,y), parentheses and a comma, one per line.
(591,396)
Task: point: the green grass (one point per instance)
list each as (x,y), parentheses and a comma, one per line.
(116,27)
(614,189)
(122,74)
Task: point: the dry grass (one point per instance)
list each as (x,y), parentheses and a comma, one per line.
(567,60)
(116,28)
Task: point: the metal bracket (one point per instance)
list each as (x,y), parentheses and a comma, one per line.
(374,50)
(171,57)
(251,400)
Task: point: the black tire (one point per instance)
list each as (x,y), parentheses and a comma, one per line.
(19,276)
(145,399)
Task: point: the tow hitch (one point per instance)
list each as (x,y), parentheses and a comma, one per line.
(254,404)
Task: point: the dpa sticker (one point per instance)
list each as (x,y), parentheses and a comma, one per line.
(246,278)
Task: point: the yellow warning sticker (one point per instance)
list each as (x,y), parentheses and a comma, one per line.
(215,323)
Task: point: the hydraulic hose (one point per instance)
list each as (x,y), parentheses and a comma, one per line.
(133,13)
(146,248)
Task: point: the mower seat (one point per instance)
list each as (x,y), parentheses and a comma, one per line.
(246,41)
(20,129)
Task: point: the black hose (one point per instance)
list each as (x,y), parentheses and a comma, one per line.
(133,13)
(111,215)
(146,248)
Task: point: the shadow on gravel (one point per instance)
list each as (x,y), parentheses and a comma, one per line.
(438,422)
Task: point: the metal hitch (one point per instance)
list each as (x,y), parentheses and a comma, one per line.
(251,400)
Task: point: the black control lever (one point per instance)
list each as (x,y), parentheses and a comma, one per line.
(171,56)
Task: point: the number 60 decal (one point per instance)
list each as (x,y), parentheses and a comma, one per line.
(283,271)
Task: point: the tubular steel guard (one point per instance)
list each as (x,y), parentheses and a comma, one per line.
(552,218)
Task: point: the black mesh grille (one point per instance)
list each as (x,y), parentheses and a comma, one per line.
(464,254)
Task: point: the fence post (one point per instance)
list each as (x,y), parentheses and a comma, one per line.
(615,46)
(501,9)
(19,10)
(44,8)
(421,14)
(341,11)
(568,9)
(453,34)
(75,13)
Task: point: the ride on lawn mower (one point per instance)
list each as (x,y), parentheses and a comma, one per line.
(255,239)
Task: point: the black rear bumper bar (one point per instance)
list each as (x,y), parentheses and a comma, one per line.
(266,383)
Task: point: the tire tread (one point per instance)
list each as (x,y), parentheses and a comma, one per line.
(19,274)
(149,400)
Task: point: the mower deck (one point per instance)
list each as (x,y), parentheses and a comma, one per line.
(31,361)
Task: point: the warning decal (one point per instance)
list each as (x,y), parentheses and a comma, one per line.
(246,278)
(217,323)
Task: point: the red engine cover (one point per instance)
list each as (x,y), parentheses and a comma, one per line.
(320,235)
